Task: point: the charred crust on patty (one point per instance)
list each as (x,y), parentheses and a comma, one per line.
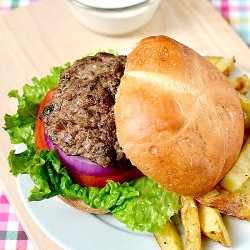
(80,118)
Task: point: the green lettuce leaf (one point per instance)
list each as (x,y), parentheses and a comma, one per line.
(140,204)
(150,210)
(21,125)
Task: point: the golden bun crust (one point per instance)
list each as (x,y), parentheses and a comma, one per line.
(178,118)
(80,205)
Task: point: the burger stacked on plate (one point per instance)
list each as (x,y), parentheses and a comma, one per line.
(161,115)
(77,119)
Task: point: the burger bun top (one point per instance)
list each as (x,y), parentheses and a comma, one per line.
(178,118)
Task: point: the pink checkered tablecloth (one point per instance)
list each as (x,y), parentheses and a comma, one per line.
(237,13)
(12,234)
(7,5)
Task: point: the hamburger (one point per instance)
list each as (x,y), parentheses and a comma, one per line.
(162,119)
(77,119)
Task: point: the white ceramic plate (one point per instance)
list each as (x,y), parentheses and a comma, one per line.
(72,229)
(76,230)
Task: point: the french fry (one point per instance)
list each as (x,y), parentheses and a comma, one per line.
(245,189)
(240,83)
(225,65)
(214,59)
(213,226)
(240,171)
(191,223)
(245,104)
(168,237)
(233,204)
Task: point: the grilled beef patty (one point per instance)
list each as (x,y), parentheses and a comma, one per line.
(80,118)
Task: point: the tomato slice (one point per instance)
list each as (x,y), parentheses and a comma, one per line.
(101,181)
(39,130)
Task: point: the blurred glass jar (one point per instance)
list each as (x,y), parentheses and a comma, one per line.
(113,17)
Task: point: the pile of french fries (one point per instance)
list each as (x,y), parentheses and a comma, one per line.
(203,217)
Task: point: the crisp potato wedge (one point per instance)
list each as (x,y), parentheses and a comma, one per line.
(168,237)
(213,226)
(245,189)
(240,171)
(214,59)
(191,223)
(245,104)
(225,65)
(233,204)
(240,83)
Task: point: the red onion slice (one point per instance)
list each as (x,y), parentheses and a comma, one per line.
(84,166)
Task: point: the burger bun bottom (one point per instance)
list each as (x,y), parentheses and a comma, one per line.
(80,205)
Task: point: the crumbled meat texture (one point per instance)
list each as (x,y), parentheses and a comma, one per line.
(81,121)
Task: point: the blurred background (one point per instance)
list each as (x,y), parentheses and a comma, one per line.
(236,12)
